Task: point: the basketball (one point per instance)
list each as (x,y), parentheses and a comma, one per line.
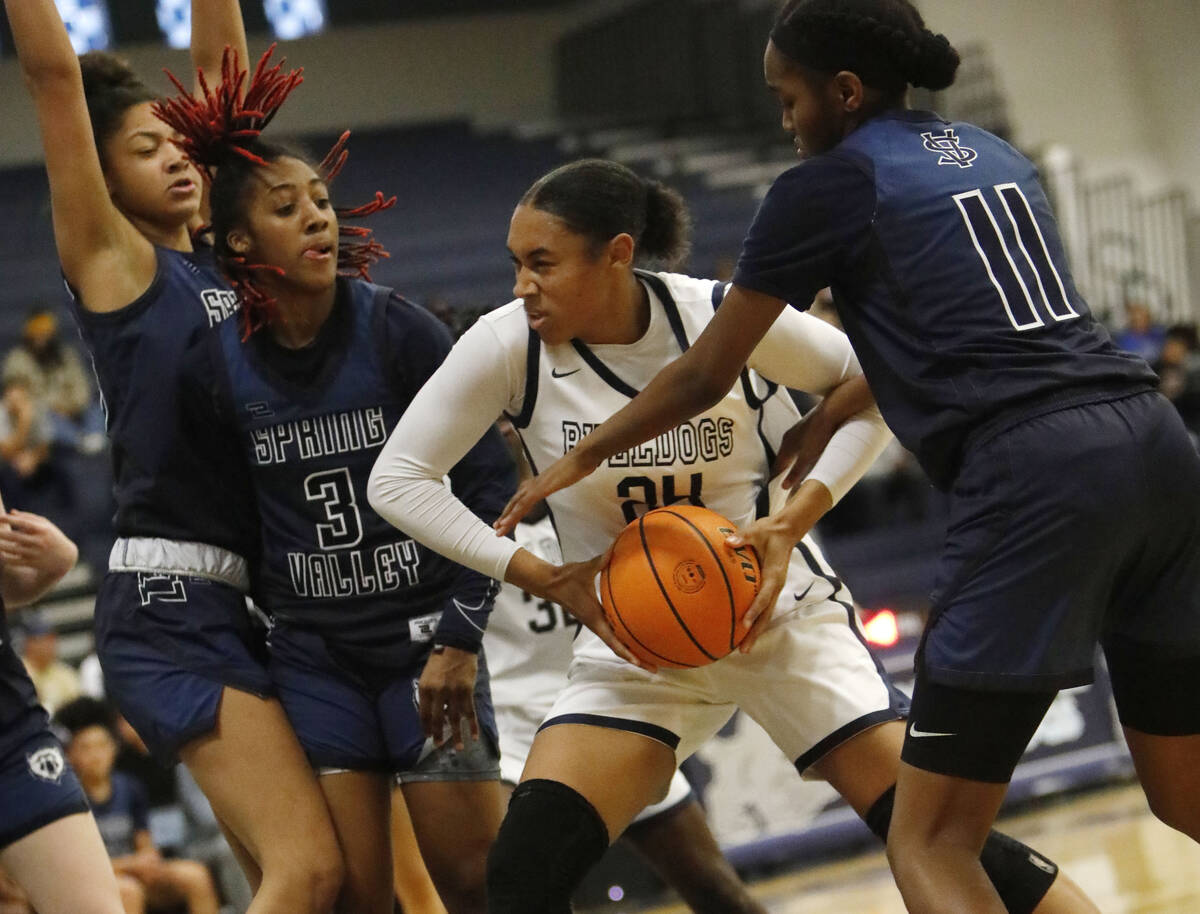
(673,592)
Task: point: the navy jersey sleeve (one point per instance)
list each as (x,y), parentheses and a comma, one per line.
(814,217)
(484,479)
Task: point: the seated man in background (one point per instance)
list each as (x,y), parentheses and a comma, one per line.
(147,881)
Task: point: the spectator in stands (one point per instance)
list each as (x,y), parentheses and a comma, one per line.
(54,374)
(1178,370)
(147,881)
(56,682)
(1141,336)
(32,475)
(25,430)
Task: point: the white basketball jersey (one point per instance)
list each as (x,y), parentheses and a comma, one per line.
(528,639)
(720,459)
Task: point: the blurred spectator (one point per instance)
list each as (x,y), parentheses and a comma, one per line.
(1178,370)
(56,682)
(441,308)
(1141,335)
(54,373)
(147,881)
(33,477)
(25,429)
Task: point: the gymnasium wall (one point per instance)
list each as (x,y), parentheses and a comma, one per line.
(1111,79)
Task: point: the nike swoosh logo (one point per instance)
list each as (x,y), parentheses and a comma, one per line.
(566,374)
(918,734)
(801,596)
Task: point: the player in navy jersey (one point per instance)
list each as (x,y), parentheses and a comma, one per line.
(1075,493)
(374,644)
(49,841)
(172,632)
(586,332)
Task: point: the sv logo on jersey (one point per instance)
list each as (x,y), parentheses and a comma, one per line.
(163,588)
(219,304)
(951,151)
(47,764)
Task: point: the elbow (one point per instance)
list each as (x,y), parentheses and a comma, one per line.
(378,484)
(51,75)
(705,389)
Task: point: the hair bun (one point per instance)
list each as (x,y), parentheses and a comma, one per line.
(936,63)
(103,71)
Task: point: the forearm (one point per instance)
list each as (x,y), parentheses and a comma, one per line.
(681,390)
(410,497)
(851,450)
(43,46)
(216,25)
(812,499)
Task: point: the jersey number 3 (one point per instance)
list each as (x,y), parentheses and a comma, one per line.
(1014,254)
(334,490)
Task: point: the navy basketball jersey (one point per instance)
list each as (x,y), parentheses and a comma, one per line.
(167,483)
(948,273)
(329,562)
(20,713)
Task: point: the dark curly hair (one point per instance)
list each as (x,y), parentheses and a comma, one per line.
(111,88)
(600,199)
(885,42)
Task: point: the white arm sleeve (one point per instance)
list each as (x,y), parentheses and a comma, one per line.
(446,418)
(805,353)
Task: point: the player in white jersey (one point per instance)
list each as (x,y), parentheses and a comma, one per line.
(529,644)
(587,332)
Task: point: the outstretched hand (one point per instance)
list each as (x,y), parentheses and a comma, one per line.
(567,470)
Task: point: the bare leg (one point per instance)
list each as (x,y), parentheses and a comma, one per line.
(359,804)
(64,868)
(682,849)
(938,830)
(862,768)
(455,823)
(248,864)
(1169,769)
(414,886)
(261,787)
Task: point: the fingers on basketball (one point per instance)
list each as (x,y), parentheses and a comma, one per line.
(674,594)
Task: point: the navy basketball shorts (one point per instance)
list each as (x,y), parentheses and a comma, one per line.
(169,644)
(37,786)
(1073,528)
(360,720)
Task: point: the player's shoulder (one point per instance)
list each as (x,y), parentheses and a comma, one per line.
(687,291)
(506,323)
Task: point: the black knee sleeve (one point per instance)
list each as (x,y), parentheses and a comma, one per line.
(879,816)
(548,841)
(1021,875)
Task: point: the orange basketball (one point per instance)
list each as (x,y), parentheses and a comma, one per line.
(673,592)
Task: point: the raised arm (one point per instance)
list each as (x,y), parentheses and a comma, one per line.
(217,25)
(103,256)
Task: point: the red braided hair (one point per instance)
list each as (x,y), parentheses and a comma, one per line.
(218,123)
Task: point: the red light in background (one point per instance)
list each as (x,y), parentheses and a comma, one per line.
(881,629)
